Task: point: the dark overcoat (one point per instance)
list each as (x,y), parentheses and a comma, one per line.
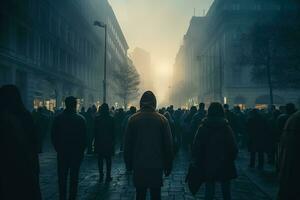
(214,150)
(290,163)
(148,149)
(104,135)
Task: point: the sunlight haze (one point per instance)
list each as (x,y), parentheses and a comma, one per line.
(158,27)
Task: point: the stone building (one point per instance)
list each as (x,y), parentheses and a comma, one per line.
(50,49)
(220,77)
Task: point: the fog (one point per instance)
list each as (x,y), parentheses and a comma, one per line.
(158,27)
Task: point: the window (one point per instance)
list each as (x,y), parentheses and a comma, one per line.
(257,6)
(32,43)
(4,31)
(62,59)
(236,6)
(21,40)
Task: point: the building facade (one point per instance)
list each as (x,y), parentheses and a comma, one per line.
(142,61)
(51,49)
(220,77)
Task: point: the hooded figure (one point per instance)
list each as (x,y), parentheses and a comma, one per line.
(214,151)
(148,148)
(290,164)
(19,166)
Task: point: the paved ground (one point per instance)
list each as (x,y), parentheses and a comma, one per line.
(250,185)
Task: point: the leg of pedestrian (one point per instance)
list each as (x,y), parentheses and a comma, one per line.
(62,171)
(74,175)
(108,168)
(155,193)
(252,159)
(261,160)
(209,190)
(226,190)
(100,167)
(141,193)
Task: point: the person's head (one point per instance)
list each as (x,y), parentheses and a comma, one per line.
(82,109)
(237,108)
(226,107)
(290,108)
(193,109)
(271,108)
(132,109)
(10,99)
(254,113)
(148,100)
(201,106)
(104,109)
(215,110)
(168,116)
(71,103)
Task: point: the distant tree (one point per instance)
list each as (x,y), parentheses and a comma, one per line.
(274,52)
(128,81)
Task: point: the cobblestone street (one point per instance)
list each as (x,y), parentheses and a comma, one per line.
(246,187)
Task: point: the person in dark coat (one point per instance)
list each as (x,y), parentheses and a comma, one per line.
(290,163)
(290,109)
(214,152)
(42,121)
(69,140)
(188,132)
(197,118)
(131,112)
(257,130)
(148,148)
(19,168)
(119,118)
(90,117)
(104,140)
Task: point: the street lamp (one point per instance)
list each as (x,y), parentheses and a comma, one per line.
(102,25)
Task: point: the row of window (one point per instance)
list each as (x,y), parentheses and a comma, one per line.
(256,6)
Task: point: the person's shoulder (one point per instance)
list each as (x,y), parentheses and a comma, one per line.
(79,117)
(162,117)
(134,117)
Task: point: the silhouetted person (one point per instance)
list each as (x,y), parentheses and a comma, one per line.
(131,112)
(214,152)
(257,130)
(90,118)
(197,119)
(290,109)
(290,163)
(232,120)
(104,140)
(188,132)
(148,148)
(19,166)
(119,118)
(69,141)
(42,121)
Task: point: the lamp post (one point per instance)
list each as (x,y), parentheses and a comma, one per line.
(102,25)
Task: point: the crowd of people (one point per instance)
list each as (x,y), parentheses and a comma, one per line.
(149,140)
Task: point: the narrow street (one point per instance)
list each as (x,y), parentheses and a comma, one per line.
(246,187)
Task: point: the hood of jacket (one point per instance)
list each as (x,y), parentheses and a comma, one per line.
(148,101)
(215,121)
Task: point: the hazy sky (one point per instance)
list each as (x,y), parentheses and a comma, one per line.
(158,26)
